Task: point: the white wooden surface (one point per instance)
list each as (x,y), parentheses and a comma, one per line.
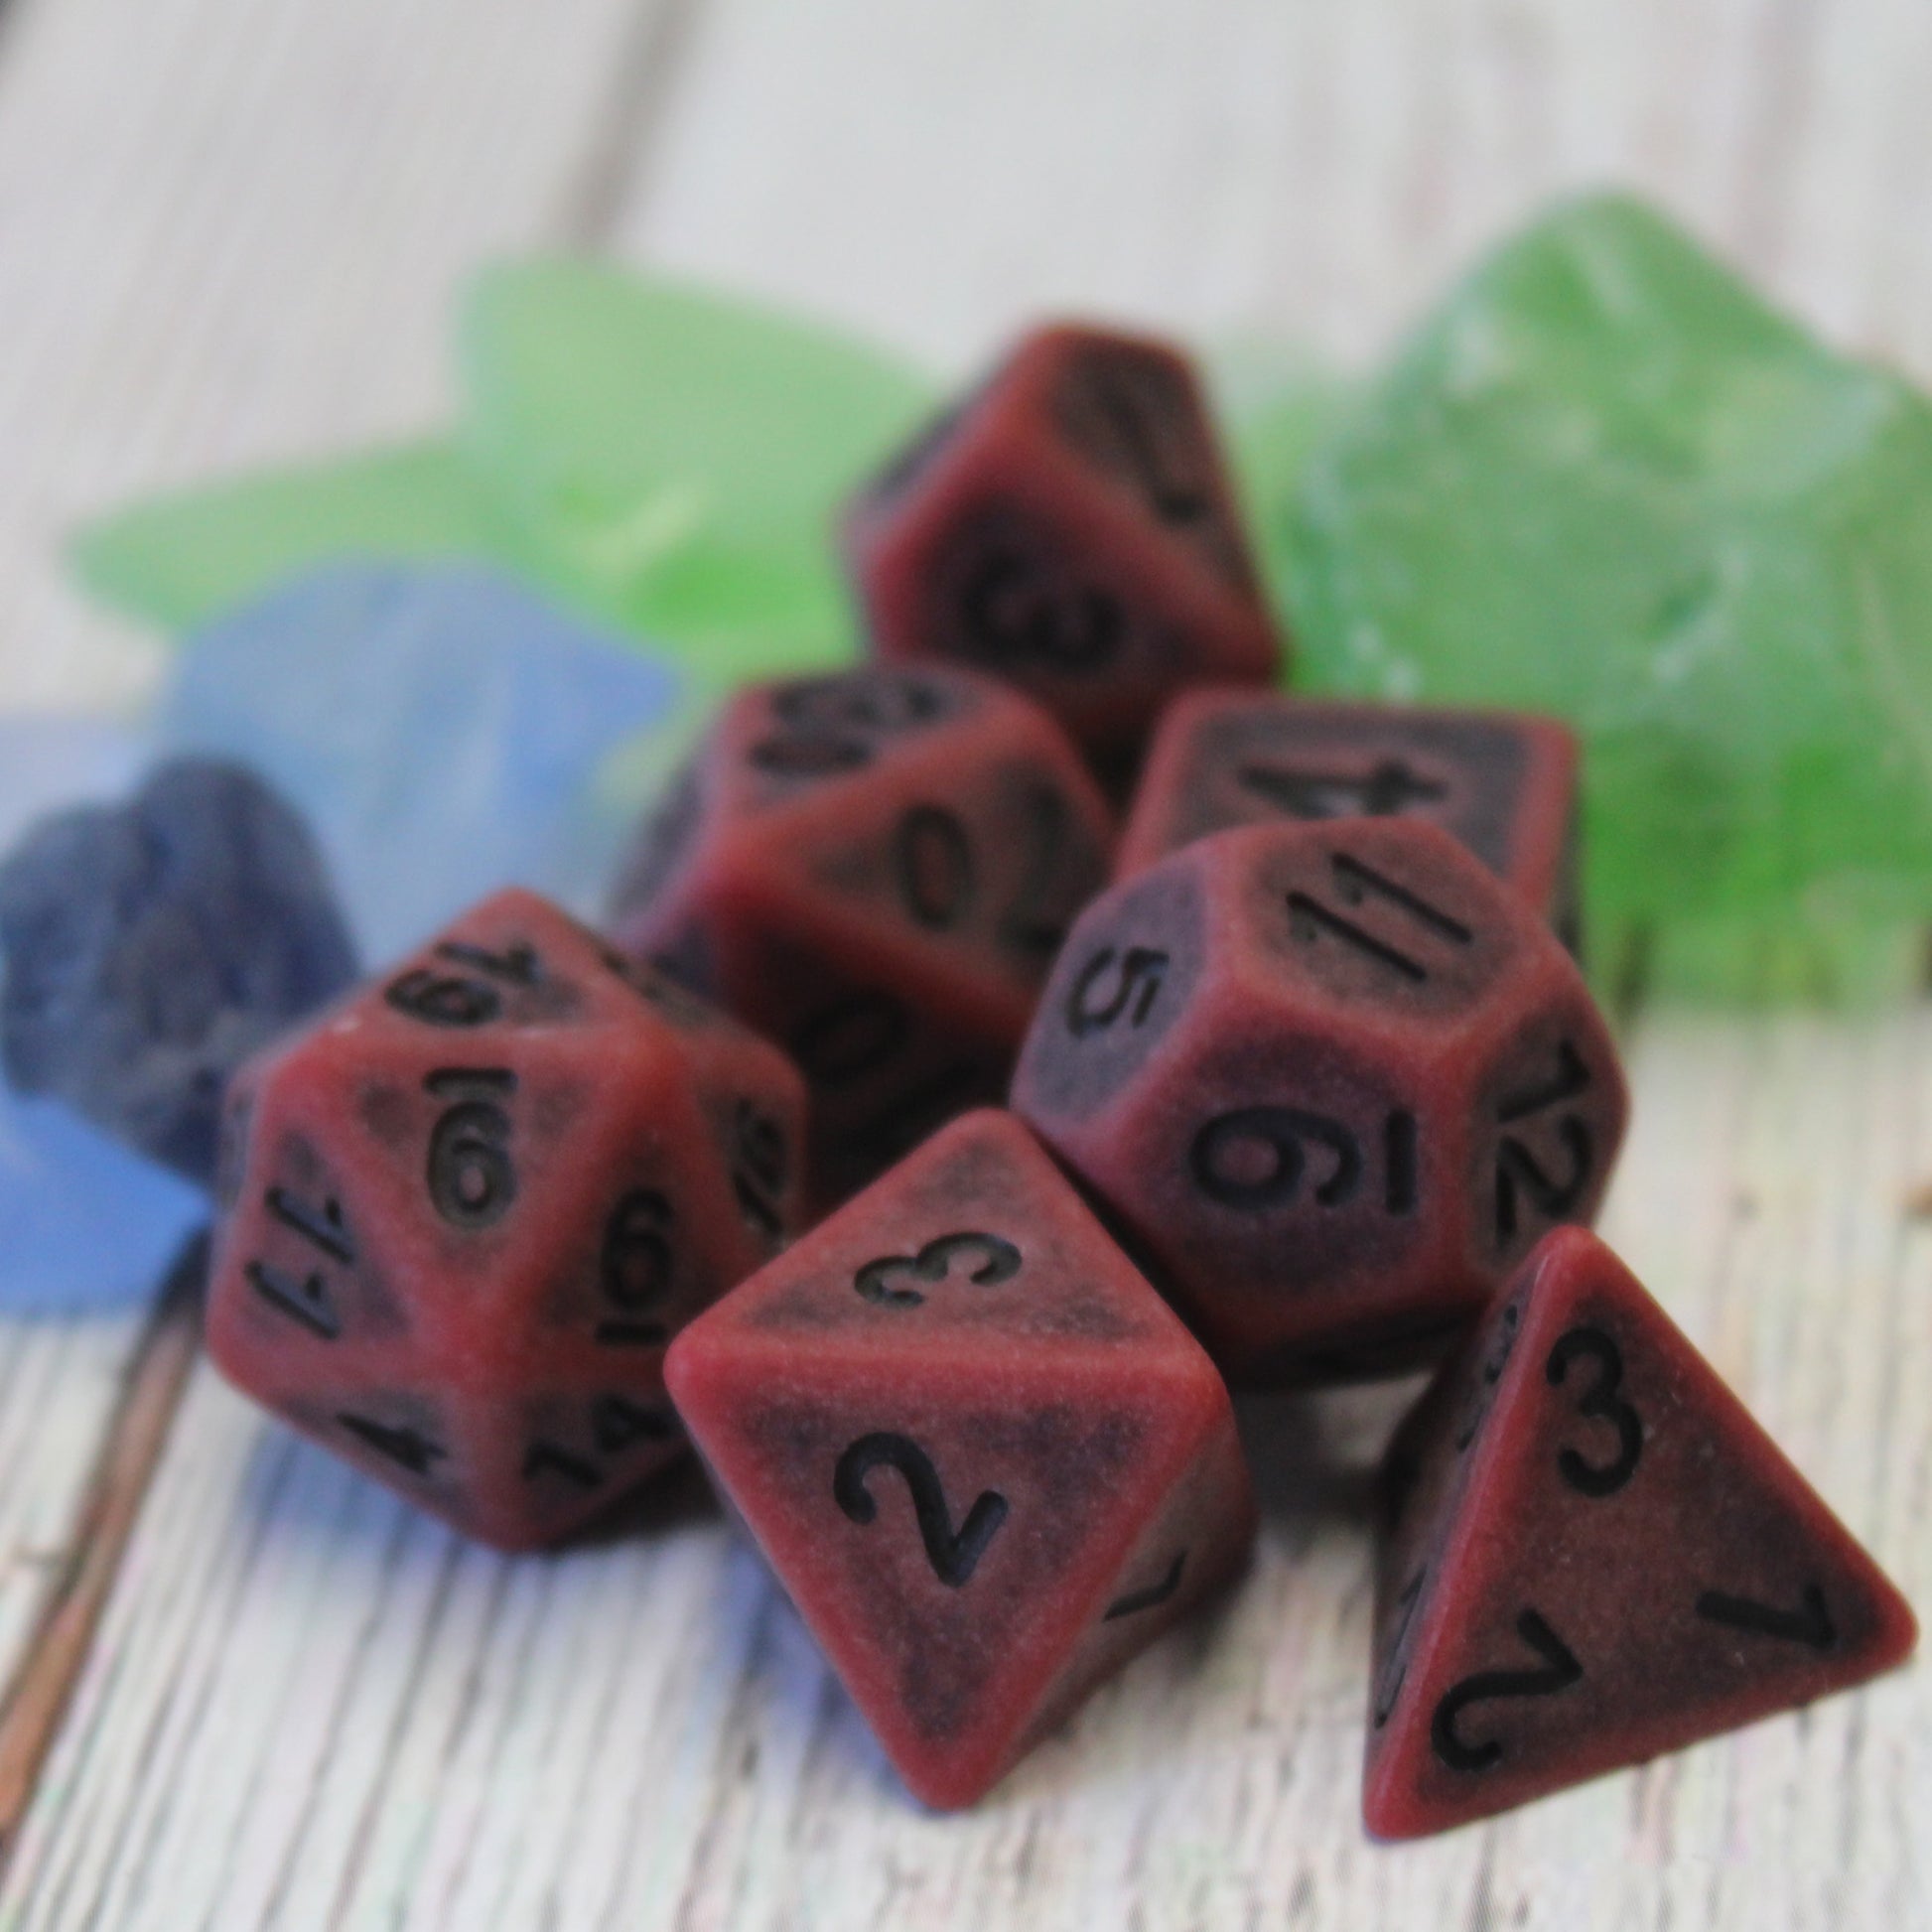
(226,233)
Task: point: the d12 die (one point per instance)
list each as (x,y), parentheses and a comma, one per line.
(1070,526)
(464,1213)
(1505,783)
(983,1457)
(1591,1554)
(1332,1079)
(876,869)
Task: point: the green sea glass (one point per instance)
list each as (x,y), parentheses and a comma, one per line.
(183,558)
(677,459)
(1605,480)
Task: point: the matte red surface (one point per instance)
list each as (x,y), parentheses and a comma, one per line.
(465,1209)
(1071,525)
(1504,782)
(876,868)
(1592,1553)
(1331,1081)
(966,1333)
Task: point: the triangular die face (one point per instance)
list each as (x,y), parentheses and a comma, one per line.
(1602,1557)
(948,1536)
(975,1237)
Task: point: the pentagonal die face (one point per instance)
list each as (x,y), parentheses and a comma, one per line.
(465,1213)
(1283,1058)
(876,869)
(1071,527)
(1505,783)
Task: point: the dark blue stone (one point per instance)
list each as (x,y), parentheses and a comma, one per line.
(150,947)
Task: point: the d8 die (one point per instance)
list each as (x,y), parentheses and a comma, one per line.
(466,1212)
(983,1457)
(1505,783)
(1070,526)
(1332,1079)
(1590,1554)
(876,869)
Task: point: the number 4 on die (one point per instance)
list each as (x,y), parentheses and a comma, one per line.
(1591,1554)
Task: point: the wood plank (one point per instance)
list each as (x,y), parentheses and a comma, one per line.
(1315,169)
(228,235)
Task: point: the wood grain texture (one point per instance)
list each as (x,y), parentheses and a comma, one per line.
(309,1708)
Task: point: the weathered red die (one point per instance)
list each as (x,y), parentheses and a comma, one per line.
(1590,1554)
(465,1211)
(1070,526)
(876,868)
(1331,1081)
(984,1457)
(1504,782)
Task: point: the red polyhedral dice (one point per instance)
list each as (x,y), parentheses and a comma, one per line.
(1070,526)
(980,1452)
(1331,1081)
(876,868)
(465,1211)
(1592,1553)
(1505,783)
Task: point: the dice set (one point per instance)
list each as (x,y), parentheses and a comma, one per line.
(936,1189)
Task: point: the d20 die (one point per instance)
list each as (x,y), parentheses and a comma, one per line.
(1505,783)
(1592,1553)
(1331,1081)
(983,1457)
(1070,526)
(876,869)
(464,1213)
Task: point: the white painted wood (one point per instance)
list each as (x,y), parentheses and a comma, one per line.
(307,1707)
(229,234)
(938,175)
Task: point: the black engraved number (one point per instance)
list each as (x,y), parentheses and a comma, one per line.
(932,861)
(1145,414)
(1036,922)
(826,725)
(1599,1402)
(517,963)
(1013,614)
(306,1300)
(471,1179)
(619,1424)
(406,1447)
(1135,977)
(1281,1133)
(1518,1169)
(997,1261)
(1395,1666)
(1808,1624)
(634,1268)
(758,1166)
(1355,886)
(1385,790)
(1497,1359)
(1560,1671)
(443,999)
(1152,1598)
(953,1556)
